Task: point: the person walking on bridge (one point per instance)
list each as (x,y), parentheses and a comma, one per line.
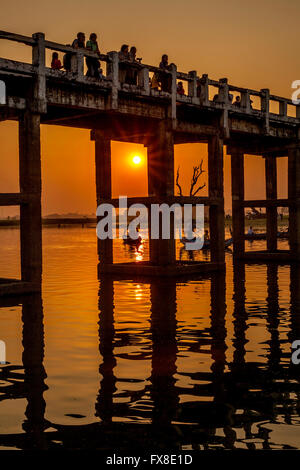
(165,78)
(79,42)
(93,65)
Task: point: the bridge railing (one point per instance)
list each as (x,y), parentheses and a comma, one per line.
(201,91)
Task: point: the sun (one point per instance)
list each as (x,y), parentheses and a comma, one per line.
(137,159)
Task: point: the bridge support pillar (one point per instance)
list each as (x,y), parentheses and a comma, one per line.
(238,213)
(30,187)
(216,190)
(161,185)
(103,187)
(294,198)
(271,193)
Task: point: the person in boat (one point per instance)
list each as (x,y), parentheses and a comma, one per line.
(132,241)
(250,231)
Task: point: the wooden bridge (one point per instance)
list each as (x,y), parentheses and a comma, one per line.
(263,124)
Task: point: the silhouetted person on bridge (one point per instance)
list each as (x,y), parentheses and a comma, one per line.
(132,73)
(123,57)
(93,65)
(165,79)
(79,42)
(180,89)
(56,63)
(237,102)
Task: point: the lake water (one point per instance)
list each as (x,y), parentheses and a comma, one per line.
(199,364)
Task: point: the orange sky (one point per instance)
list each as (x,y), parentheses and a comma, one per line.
(253,43)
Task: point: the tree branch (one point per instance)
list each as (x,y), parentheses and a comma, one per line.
(177,182)
(197,172)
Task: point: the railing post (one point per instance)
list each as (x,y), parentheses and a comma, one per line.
(143,80)
(224,99)
(77,64)
(283,108)
(173,69)
(265,106)
(245,100)
(223,91)
(39,103)
(80,65)
(2,92)
(192,85)
(204,101)
(113,75)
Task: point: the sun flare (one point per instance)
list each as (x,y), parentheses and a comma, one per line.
(137,159)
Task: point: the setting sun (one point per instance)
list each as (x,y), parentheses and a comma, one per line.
(137,159)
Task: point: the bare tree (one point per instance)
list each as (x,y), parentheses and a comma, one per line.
(177,182)
(197,172)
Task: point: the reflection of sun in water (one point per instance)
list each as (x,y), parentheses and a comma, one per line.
(139,253)
(136,159)
(138,292)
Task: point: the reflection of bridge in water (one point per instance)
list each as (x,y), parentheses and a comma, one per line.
(112,110)
(235,398)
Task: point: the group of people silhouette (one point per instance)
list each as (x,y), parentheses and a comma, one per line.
(161,80)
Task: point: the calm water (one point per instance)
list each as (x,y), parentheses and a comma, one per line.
(166,364)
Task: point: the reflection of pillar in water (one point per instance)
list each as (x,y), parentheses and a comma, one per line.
(218,332)
(164,350)
(272,317)
(294,332)
(295,302)
(239,314)
(33,355)
(104,404)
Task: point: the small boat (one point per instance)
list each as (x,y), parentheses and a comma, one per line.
(255,236)
(263,235)
(206,244)
(132,241)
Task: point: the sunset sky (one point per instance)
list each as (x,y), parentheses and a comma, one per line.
(253,43)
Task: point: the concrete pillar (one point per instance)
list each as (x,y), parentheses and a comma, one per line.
(238,196)
(271,193)
(103,187)
(216,190)
(294,197)
(30,185)
(161,184)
